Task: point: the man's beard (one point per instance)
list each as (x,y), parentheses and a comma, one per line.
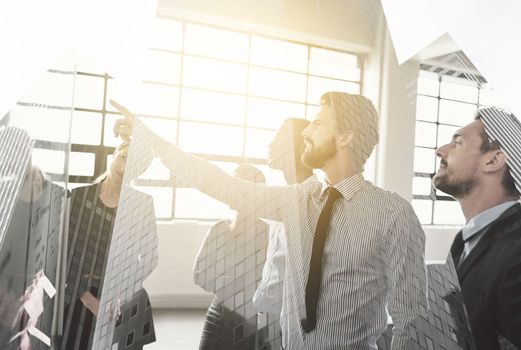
(317,157)
(456,188)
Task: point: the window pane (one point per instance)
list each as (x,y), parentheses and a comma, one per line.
(427,108)
(191,203)
(162,199)
(81,163)
(216,75)
(279,54)
(318,86)
(73,185)
(156,171)
(165,128)
(146,99)
(36,122)
(428,83)
(53,89)
(276,84)
(425,134)
(167,34)
(162,67)
(218,43)
(257,142)
(424,160)
(86,128)
(88,92)
(448,213)
(423,209)
(445,133)
(49,161)
(459,89)
(421,186)
(312,111)
(489,97)
(211,139)
(456,113)
(271,114)
(334,64)
(88,64)
(212,106)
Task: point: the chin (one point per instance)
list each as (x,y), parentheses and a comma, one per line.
(312,162)
(437,182)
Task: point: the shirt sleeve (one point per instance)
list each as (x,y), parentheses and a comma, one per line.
(406,274)
(191,171)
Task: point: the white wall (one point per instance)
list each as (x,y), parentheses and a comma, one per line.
(171,284)
(398,119)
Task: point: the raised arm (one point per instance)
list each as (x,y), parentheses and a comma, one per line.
(191,171)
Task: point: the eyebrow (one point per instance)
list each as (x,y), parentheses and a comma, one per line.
(456,135)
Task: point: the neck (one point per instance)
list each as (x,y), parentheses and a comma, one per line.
(298,175)
(109,193)
(483,198)
(337,169)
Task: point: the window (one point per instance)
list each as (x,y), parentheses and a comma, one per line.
(215,92)
(444,104)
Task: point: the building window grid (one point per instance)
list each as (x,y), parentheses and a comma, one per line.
(101,151)
(436,195)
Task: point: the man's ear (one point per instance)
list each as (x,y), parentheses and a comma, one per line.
(345,138)
(494,161)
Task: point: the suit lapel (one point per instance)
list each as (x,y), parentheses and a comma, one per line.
(493,232)
(457,248)
(474,255)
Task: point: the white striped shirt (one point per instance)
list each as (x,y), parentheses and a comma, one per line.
(374,254)
(268,296)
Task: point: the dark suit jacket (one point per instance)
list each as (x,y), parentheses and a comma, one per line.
(490,278)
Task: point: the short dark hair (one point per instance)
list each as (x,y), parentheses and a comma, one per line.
(507,182)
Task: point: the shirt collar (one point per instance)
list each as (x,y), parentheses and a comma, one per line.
(347,187)
(484,218)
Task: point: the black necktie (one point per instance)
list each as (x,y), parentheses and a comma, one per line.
(315,264)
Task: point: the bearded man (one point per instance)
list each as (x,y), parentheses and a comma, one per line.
(353,249)
(481,168)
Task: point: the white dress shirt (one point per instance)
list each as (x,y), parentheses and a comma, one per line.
(268,296)
(471,231)
(366,265)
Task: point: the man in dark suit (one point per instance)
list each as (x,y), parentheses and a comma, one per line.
(481,168)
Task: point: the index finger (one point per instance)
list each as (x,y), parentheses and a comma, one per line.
(126,113)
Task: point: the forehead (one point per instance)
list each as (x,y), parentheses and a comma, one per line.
(472,130)
(325,114)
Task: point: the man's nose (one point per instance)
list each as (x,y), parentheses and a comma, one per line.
(441,151)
